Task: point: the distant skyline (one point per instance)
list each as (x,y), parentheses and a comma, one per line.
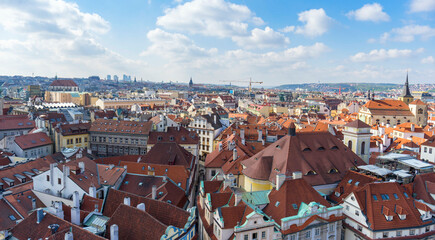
(277,42)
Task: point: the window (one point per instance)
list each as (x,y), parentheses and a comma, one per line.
(59,181)
(427,228)
(331,227)
(385,234)
(398,233)
(254,236)
(317,231)
(349,144)
(430,150)
(359,228)
(406,195)
(12,217)
(425,149)
(48,178)
(412,232)
(263,234)
(357,212)
(86,139)
(293,237)
(246,237)
(308,234)
(213,172)
(375,197)
(347,207)
(395,196)
(363,146)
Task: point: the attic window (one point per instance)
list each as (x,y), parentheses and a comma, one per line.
(333,170)
(320,149)
(357,183)
(277,146)
(375,197)
(12,218)
(311,172)
(334,148)
(395,196)
(159,138)
(385,197)
(406,195)
(276,204)
(306,150)
(171,138)
(350,181)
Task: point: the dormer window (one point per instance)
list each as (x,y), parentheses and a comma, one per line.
(402,216)
(334,148)
(333,170)
(306,150)
(321,149)
(311,172)
(159,138)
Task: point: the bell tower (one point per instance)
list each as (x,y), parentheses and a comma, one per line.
(406,96)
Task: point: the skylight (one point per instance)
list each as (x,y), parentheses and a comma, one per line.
(375,197)
(406,195)
(350,181)
(385,197)
(295,206)
(276,204)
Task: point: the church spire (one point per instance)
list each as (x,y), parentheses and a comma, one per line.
(406,92)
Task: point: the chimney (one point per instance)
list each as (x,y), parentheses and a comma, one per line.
(82,166)
(220,146)
(262,142)
(141,206)
(280,179)
(214,118)
(292,129)
(127,201)
(154,192)
(75,216)
(39,215)
(92,192)
(412,127)
(114,232)
(178,127)
(58,209)
(260,135)
(76,200)
(52,166)
(234,154)
(53,228)
(33,203)
(242,134)
(381,148)
(237,198)
(297,175)
(69,236)
(66,173)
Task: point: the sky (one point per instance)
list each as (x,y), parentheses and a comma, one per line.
(220,41)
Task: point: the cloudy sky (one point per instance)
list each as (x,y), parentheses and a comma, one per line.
(277,42)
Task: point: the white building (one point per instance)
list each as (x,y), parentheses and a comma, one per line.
(33,145)
(428,151)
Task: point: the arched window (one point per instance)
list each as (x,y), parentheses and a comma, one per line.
(349,144)
(363,146)
(420,111)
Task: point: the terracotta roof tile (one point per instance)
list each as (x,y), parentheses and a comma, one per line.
(181,136)
(121,127)
(33,140)
(63,83)
(8,122)
(168,153)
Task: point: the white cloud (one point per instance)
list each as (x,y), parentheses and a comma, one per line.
(383,54)
(288,29)
(422,5)
(174,46)
(408,33)
(209,17)
(55,36)
(316,22)
(259,38)
(369,12)
(429,59)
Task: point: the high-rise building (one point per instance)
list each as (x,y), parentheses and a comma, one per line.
(115,78)
(109,77)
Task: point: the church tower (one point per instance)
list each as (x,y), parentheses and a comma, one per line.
(190,83)
(406,96)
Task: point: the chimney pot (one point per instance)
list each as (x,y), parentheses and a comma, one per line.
(114,232)
(39,215)
(154,192)
(76,200)
(280,179)
(127,201)
(141,206)
(69,236)
(75,216)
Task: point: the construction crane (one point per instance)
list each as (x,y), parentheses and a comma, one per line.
(250,82)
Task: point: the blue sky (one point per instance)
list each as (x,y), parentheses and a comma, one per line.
(277,42)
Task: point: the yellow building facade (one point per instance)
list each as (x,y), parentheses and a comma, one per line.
(71,136)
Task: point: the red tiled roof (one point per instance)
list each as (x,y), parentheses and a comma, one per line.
(5,212)
(166,213)
(357,124)
(33,140)
(123,127)
(374,209)
(321,157)
(423,187)
(73,129)
(181,136)
(63,83)
(350,182)
(386,104)
(29,229)
(168,153)
(291,192)
(8,122)
(89,203)
(134,223)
